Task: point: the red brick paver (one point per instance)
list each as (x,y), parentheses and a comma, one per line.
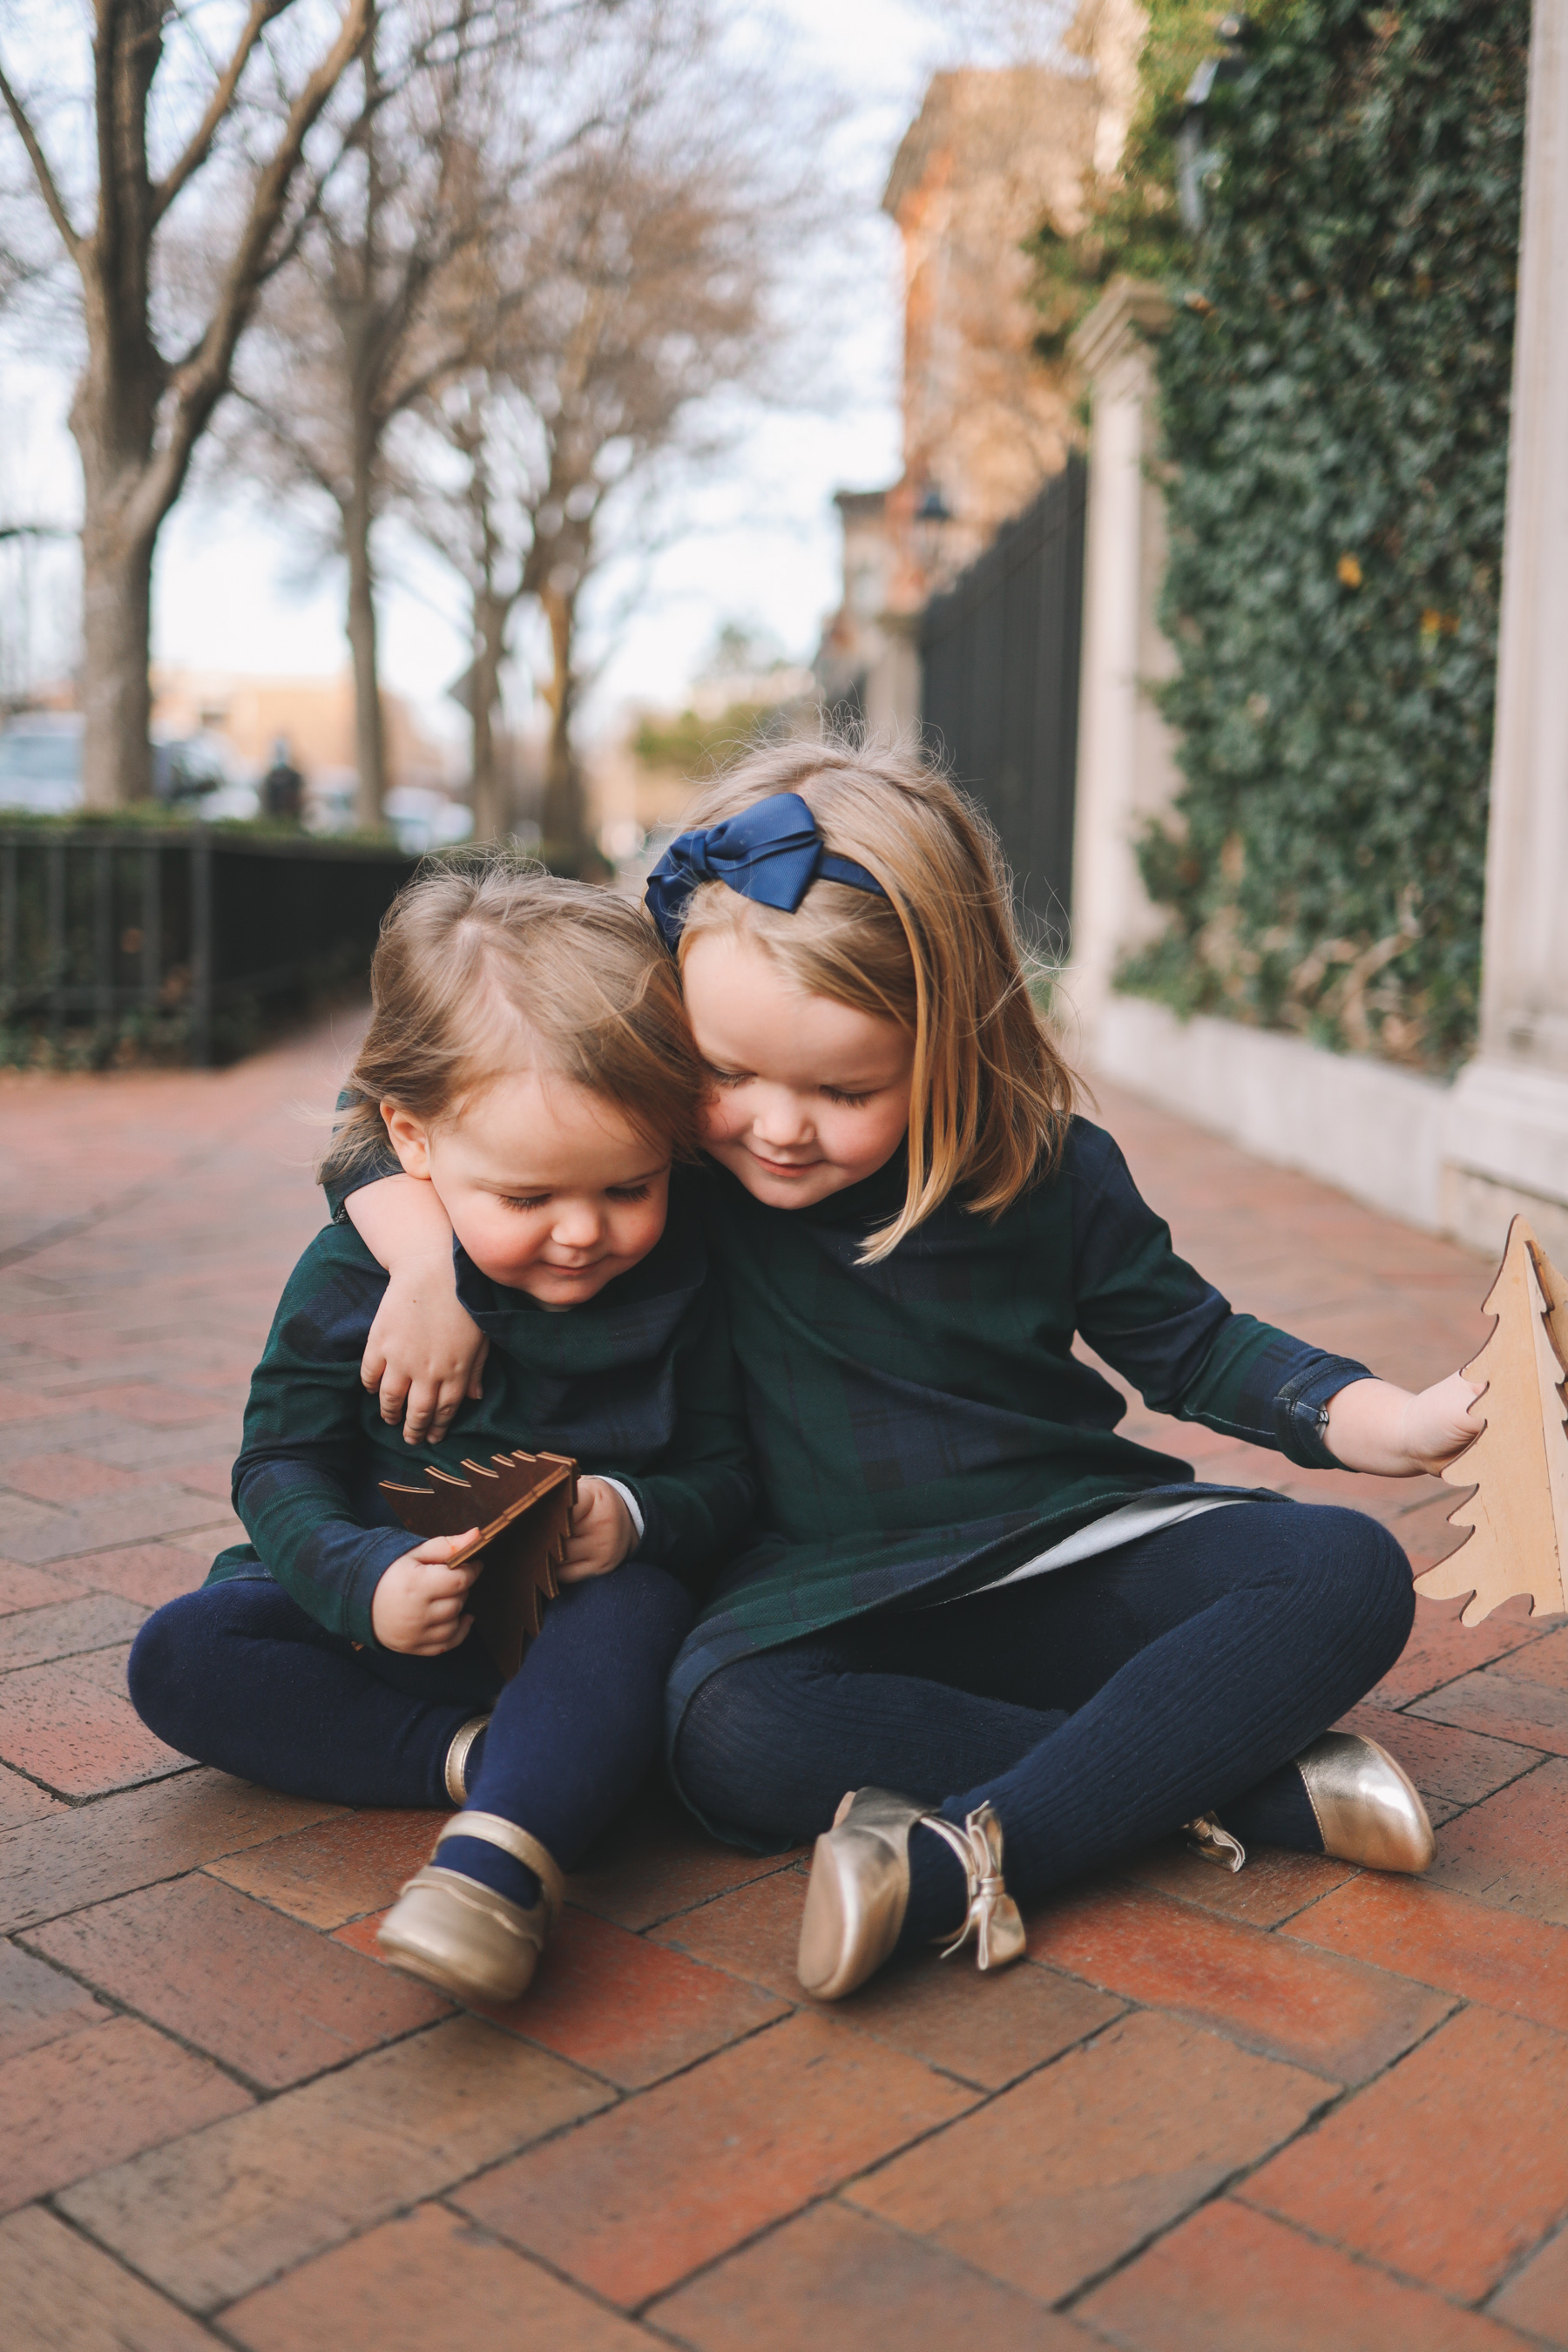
(427,2279)
(56,2289)
(843,2279)
(1334,2016)
(1073,2168)
(1536,2298)
(336,1869)
(1450,2166)
(215,2213)
(661,2185)
(92,2097)
(1302,2109)
(255,1989)
(1229,2281)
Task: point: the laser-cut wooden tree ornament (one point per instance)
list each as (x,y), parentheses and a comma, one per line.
(1518,1515)
(522,1503)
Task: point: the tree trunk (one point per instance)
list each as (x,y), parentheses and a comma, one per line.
(369,740)
(561,823)
(135,444)
(492,816)
(113,420)
(117,694)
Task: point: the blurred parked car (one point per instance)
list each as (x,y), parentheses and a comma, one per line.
(423,820)
(40,762)
(199,776)
(40,771)
(329,801)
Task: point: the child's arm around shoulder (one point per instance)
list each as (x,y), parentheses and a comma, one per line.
(425,1354)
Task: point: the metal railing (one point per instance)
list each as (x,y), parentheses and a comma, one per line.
(999,665)
(102,925)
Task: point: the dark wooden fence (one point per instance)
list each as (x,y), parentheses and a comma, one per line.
(999,655)
(104,927)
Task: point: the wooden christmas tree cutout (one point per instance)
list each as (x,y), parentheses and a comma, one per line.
(522,1503)
(1518,1515)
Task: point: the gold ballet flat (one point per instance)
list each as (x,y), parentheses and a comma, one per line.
(456,1933)
(1366,1803)
(457,1771)
(859,1891)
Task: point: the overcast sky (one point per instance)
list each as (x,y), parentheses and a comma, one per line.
(766,552)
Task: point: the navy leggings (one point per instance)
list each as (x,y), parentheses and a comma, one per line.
(237,1675)
(1097,1707)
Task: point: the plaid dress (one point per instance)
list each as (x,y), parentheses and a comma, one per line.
(637,1383)
(922,1426)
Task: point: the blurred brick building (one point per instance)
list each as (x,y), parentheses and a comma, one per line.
(992,155)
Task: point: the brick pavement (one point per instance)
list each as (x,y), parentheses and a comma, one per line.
(1297,2109)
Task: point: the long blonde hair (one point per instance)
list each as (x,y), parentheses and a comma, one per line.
(487,965)
(991,1096)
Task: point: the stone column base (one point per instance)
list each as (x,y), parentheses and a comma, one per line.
(1505,1154)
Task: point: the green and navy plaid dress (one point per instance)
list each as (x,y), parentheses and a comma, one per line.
(637,1383)
(921,1427)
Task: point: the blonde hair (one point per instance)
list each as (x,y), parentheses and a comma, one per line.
(991,1096)
(487,965)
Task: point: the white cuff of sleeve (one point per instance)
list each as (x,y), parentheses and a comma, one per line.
(630,1500)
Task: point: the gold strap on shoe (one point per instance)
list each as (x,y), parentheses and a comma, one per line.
(458,1758)
(992,1920)
(1207,1837)
(496,1831)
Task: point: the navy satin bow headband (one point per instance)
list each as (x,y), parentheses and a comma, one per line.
(772,852)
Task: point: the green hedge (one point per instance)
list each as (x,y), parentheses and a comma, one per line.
(1335,395)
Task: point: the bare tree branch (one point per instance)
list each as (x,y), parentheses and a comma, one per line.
(202,381)
(199,147)
(69,237)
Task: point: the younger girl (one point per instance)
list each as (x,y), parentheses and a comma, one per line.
(527,1061)
(978,1622)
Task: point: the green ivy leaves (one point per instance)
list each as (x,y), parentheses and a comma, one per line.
(1335,395)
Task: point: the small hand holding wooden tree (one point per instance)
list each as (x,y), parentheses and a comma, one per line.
(522,1504)
(1518,1514)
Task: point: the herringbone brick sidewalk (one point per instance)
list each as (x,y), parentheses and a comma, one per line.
(1300,2110)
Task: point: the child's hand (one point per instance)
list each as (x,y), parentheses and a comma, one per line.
(601,1534)
(419,1604)
(1440,1422)
(424,1353)
(1373,1426)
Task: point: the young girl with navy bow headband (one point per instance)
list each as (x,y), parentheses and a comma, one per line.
(979,1642)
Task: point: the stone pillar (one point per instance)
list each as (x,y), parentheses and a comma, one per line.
(893,677)
(1507,1147)
(1126,766)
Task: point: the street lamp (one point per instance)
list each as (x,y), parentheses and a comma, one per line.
(932,518)
(1195,161)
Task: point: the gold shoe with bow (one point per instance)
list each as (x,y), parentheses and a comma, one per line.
(1214,1843)
(1363,1802)
(860,1892)
(1365,1805)
(456,1933)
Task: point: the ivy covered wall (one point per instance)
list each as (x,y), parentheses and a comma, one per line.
(1334,393)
